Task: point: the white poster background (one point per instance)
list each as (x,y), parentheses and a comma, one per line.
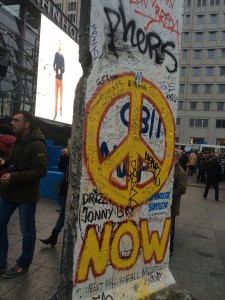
(45,96)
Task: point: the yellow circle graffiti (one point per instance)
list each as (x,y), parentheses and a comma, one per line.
(133,148)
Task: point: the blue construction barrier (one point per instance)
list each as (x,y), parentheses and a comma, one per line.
(50,142)
(49,182)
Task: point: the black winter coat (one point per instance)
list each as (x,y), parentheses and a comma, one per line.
(28,163)
(213,171)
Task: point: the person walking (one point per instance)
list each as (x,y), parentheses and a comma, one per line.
(213,176)
(192,163)
(184,160)
(19,188)
(201,170)
(64,167)
(179,188)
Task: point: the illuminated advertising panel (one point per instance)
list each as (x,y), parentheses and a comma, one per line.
(59,71)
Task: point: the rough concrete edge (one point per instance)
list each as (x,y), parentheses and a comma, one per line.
(66,283)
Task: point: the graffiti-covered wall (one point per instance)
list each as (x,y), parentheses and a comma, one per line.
(123,227)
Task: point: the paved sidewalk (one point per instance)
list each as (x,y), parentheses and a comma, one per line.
(41,280)
(198,263)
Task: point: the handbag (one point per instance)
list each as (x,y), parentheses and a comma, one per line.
(61,187)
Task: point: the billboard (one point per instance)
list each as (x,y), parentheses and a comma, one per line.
(59,71)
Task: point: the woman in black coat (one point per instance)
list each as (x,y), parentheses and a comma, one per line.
(64,167)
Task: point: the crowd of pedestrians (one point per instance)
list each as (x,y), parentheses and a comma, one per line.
(208,167)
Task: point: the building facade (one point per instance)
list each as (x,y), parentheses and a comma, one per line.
(201,108)
(71,9)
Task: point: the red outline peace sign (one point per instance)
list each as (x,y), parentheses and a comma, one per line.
(133,148)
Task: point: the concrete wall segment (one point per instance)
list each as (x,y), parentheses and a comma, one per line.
(126,107)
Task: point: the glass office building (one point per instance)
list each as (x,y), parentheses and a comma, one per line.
(201,102)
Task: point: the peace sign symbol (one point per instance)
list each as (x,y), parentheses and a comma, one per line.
(133,149)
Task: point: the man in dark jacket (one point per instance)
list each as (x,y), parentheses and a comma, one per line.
(213,177)
(179,188)
(20,188)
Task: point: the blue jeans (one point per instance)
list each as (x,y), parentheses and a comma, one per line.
(27,227)
(60,221)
